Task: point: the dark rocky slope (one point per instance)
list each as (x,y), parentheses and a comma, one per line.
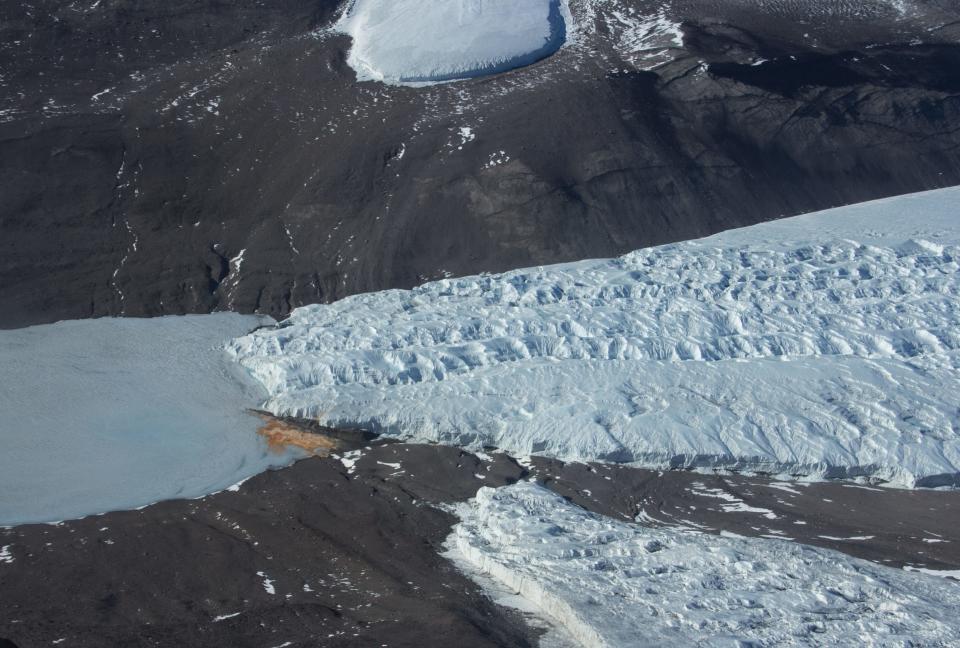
(174,157)
(309,555)
(353,555)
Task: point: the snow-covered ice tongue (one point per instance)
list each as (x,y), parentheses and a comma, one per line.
(410,41)
(826,345)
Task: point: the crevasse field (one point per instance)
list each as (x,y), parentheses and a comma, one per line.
(108,414)
(824,345)
(612,583)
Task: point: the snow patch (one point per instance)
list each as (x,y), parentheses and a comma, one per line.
(732,504)
(785,487)
(349,460)
(267,583)
(496,159)
(235,488)
(942,573)
(646,40)
(224,617)
(412,42)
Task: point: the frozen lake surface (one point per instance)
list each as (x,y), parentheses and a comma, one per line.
(409,41)
(107,414)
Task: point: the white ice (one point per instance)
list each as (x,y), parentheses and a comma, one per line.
(824,345)
(610,583)
(410,41)
(107,414)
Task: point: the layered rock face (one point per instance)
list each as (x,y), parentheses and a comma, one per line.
(189,157)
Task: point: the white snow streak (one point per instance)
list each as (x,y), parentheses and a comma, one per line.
(267,583)
(942,573)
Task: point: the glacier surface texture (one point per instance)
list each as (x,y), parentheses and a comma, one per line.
(107,414)
(824,345)
(410,41)
(611,583)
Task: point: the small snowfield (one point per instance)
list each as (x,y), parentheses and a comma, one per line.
(415,42)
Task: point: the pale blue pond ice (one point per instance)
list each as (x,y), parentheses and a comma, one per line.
(108,414)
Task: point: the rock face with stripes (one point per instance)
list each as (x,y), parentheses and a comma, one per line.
(187,157)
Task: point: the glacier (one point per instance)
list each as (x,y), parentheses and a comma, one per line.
(413,42)
(110,414)
(825,346)
(613,583)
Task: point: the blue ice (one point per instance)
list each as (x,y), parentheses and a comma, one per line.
(108,414)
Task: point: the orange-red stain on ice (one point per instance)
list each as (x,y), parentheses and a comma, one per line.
(281,435)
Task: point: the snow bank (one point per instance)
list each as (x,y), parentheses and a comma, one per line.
(108,414)
(410,41)
(610,583)
(826,345)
